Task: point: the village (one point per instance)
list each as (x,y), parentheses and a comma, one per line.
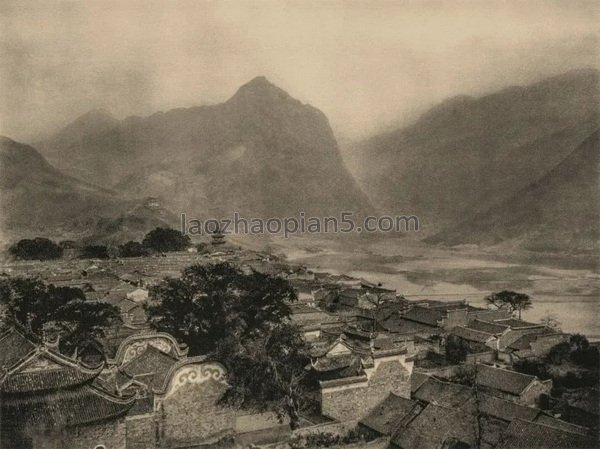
(389,372)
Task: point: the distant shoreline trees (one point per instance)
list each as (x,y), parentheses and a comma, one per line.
(158,240)
(132,249)
(166,240)
(38,248)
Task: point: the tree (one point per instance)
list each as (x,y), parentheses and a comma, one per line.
(551,321)
(243,321)
(456,349)
(132,249)
(67,244)
(166,240)
(267,371)
(94,252)
(559,353)
(509,300)
(36,249)
(582,353)
(211,302)
(39,308)
(202,247)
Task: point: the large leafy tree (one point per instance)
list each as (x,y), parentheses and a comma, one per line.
(456,349)
(165,240)
(267,370)
(211,302)
(39,308)
(511,301)
(242,319)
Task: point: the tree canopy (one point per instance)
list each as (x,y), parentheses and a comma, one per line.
(211,302)
(94,252)
(242,320)
(166,240)
(509,300)
(37,249)
(39,308)
(132,249)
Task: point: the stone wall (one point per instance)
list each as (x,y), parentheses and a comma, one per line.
(190,411)
(352,401)
(108,435)
(193,413)
(111,435)
(344,402)
(141,432)
(543,344)
(481,357)
(531,396)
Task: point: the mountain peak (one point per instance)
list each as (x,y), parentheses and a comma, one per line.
(259,83)
(94,121)
(260,89)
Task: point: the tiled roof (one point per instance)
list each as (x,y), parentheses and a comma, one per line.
(527,435)
(443,393)
(388,414)
(335,362)
(13,347)
(524,342)
(506,410)
(343,381)
(487,327)
(434,426)
(417,379)
(142,406)
(398,325)
(470,334)
(151,361)
(502,379)
(64,408)
(424,315)
(514,323)
(46,370)
(548,420)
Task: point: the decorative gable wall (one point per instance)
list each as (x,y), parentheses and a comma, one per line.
(189,411)
(352,398)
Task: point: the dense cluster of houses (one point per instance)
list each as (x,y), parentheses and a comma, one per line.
(370,364)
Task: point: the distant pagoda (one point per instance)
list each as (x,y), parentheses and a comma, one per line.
(217,237)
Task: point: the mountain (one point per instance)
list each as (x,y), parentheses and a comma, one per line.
(262,153)
(38,199)
(558,212)
(468,154)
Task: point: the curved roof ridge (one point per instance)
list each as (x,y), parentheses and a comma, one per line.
(180,348)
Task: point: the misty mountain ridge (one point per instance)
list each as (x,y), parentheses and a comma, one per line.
(468,154)
(37,199)
(482,170)
(261,153)
(559,212)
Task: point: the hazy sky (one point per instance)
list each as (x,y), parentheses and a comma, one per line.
(366,64)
